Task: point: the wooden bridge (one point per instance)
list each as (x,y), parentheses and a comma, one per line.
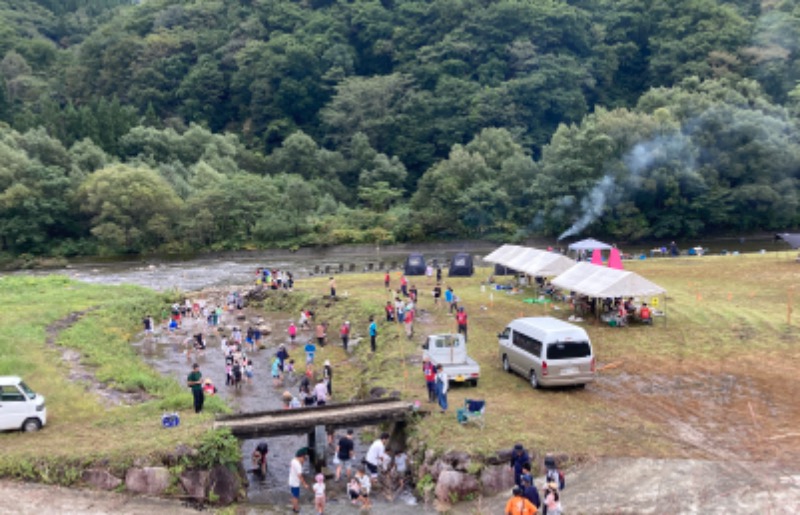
(309,419)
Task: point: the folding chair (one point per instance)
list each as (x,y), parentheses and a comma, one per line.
(473,411)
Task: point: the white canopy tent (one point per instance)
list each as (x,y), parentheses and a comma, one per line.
(603,282)
(533,262)
(589,244)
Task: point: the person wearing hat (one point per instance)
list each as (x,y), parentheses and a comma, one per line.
(518,504)
(552,501)
(519,458)
(296,479)
(529,490)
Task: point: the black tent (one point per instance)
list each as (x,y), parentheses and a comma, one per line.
(415,264)
(502,270)
(792,239)
(461,266)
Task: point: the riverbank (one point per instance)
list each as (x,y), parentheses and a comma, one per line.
(715,382)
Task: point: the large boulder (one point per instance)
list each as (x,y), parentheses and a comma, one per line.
(102,479)
(147,480)
(224,484)
(453,486)
(496,479)
(194,483)
(459,460)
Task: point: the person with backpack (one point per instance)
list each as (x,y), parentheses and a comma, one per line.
(552,473)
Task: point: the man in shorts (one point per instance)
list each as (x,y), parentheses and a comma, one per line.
(376,455)
(344,454)
(296,478)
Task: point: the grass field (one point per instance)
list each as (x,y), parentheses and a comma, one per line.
(717,378)
(82,427)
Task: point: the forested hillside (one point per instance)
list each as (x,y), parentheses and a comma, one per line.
(131,126)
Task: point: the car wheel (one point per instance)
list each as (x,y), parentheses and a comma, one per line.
(534,380)
(31,425)
(506,365)
(474,383)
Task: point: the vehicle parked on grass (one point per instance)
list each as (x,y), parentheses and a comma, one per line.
(547,351)
(20,407)
(450,351)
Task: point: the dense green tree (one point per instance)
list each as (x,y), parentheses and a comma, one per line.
(132,209)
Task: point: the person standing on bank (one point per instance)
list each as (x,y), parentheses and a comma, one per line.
(442,383)
(519,459)
(373,333)
(344,332)
(332,284)
(195,382)
(461,321)
(327,376)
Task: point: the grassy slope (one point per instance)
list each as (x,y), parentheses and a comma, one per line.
(80,428)
(726,318)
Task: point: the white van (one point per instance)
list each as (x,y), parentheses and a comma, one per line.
(547,351)
(20,407)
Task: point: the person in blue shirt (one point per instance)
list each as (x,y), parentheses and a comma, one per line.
(310,349)
(518,458)
(373,332)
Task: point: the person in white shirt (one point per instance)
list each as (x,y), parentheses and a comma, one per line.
(442,383)
(296,478)
(376,455)
(321,392)
(319,494)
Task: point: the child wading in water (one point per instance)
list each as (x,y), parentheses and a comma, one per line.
(319,494)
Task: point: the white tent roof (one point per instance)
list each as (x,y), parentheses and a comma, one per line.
(600,281)
(589,244)
(501,254)
(529,260)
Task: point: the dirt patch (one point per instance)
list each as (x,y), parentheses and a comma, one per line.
(81,373)
(711,416)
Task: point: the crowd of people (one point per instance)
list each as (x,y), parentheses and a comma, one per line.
(315,388)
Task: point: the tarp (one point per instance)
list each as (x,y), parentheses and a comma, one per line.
(601,282)
(791,239)
(615,259)
(597,257)
(531,261)
(589,244)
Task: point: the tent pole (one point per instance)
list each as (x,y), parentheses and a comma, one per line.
(665,310)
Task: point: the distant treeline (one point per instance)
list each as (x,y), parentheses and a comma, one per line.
(183,125)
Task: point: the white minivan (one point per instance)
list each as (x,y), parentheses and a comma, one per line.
(20,407)
(547,351)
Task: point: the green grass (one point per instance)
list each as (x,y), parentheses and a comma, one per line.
(725,315)
(81,429)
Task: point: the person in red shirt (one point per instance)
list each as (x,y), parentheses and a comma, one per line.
(344,332)
(645,315)
(461,320)
(386,280)
(389,311)
(430,378)
(408,321)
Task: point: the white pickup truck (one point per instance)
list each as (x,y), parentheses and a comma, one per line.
(450,351)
